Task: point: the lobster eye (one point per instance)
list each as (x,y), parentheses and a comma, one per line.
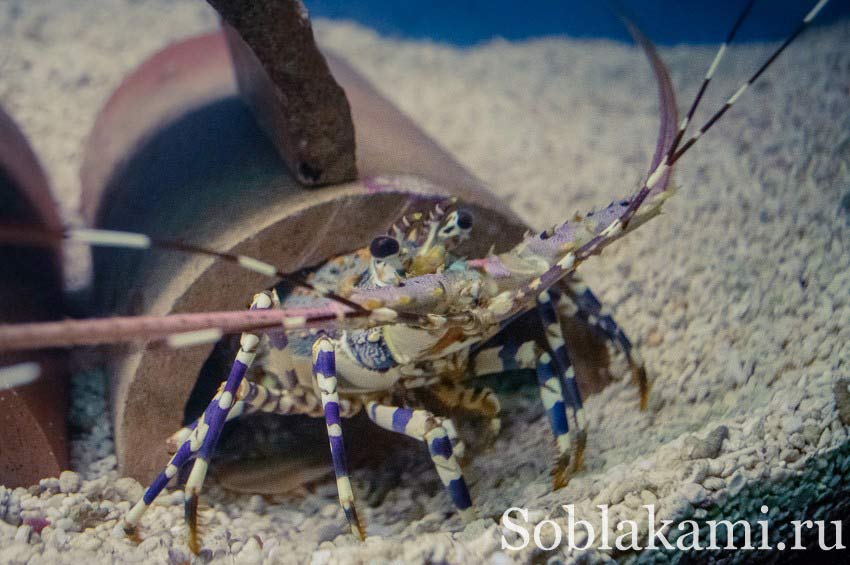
(464,220)
(384,246)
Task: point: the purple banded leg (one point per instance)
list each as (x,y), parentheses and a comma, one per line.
(520,347)
(252,398)
(213,422)
(458,446)
(202,438)
(324,370)
(512,355)
(555,341)
(551,394)
(556,366)
(581,302)
(424,426)
(131,520)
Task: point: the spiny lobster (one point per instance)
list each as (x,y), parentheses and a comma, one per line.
(375,329)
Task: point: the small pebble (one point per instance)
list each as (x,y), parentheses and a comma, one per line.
(714,483)
(50,483)
(250,553)
(694,493)
(256,504)
(710,447)
(66,524)
(69,481)
(23,534)
(792,424)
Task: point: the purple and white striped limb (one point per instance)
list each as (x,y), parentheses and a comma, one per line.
(324,371)
(554,367)
(424,426)
(583,304)
(202,440)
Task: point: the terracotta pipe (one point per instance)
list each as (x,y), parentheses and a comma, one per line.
(33,433)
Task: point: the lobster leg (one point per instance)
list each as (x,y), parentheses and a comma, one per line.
(324,370)
(480,402)
(535,341)
(178,460)
(202,439)
(509,351)
(583,303)
(252,398)
(424,426)
(458,446)
(560,394)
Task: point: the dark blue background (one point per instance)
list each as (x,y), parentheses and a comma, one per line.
(467,22)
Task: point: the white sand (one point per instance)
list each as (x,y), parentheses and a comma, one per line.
(711,291)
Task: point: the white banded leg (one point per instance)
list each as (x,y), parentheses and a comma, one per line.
(201,441)
(556,377)
(252,398)
(324,370)
(581,302)
(458,445)
(424,426)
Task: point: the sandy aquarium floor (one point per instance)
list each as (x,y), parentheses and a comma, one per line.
(738,296)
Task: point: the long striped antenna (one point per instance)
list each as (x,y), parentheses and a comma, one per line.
(175,330)
(673,156)
(132,240)
(707,79)
(732,99)
(619,226)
